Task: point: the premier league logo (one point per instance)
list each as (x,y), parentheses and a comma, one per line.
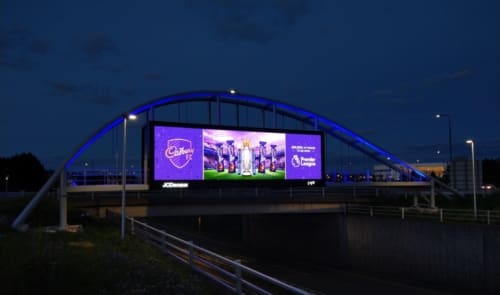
(295,161)
(179,151)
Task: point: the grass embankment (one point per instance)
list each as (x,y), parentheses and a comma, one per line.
(92,261)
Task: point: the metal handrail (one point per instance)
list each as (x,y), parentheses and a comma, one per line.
(227,272)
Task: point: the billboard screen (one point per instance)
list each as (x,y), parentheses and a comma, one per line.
(201,155)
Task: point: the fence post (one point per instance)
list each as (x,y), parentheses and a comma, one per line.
(488,216)
(237,270)
(345,208)
(402,212)
(132,220)
(433,194)
(441,215)
(371,211)
(191,254)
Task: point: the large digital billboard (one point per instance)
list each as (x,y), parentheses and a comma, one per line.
(195,155)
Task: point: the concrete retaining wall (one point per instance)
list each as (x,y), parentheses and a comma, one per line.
(462,258)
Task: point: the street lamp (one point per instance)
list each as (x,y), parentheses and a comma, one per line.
(7,183)
(452,165)
(473,176)
(124,176)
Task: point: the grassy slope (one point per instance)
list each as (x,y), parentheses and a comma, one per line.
(93,261)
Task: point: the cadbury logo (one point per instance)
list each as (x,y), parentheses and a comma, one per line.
(173,151)
(179,151)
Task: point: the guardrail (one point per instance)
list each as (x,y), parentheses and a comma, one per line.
(230,274)
(437,214)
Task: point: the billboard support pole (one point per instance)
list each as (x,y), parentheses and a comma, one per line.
(218,110)
(179,112)
(274,117)
(263,118)
(209,112)
(238,115)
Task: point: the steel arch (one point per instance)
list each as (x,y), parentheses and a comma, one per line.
(317,121)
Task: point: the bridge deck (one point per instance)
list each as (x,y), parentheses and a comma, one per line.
(328,186)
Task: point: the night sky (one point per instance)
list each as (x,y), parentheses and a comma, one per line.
(380,68)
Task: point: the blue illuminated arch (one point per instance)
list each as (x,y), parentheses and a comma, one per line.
(317,121)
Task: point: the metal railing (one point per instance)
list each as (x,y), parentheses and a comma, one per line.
(104,176)
(437,214)
(230,274)
(257,192)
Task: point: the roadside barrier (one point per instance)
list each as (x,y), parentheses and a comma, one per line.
(230,274)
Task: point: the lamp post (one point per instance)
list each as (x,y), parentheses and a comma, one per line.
(452,165)
(85,173)
(7,183)
(124,172)
(471,142)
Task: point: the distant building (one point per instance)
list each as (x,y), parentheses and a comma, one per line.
(463,174)
(439,169)
(385,173)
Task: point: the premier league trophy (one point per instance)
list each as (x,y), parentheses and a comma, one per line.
(232,157)
(262,157)
(220,158)
(246,159)
(272,167)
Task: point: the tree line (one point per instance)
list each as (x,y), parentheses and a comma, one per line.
(22,172)
(491,171)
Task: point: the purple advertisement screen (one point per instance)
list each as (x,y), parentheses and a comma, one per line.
(185,153)
(178,153)
(303,155)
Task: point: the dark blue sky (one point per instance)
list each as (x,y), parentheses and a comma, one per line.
(381,68)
